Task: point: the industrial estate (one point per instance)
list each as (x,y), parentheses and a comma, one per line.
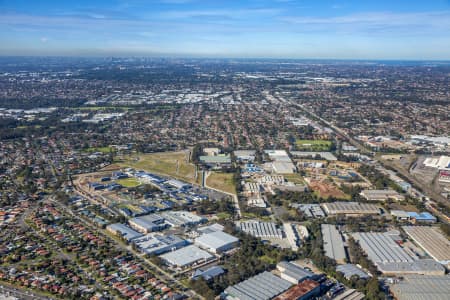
(216,179)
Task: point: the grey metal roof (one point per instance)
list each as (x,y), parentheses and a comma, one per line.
(349,270)
(263,286)
(294,271)
(417,287)
(431,240)
(215,240)
(332,242)
(186,256)
(128,233)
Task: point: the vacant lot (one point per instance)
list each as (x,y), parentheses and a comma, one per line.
(326,190)
(174,164)
(294,178)
(221,181)
(313,145)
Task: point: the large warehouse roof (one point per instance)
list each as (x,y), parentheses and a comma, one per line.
(350,208)
(263,286)
(186,256)
(332,242)
(431,240)
(215,240)
(422,288)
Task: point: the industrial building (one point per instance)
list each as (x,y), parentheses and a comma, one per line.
(245,155)
(311,210)
(217,242)
(261,229)
(291,235)
(350,270)
(186,256)
(350,294)
(158,244)
(182,218)
(208,274)
(416,287)
(148,223)
(431,240)
(333,243)
(282,167)
(292,272)
(390,258)
(124,231)
(307,289)
(350,208)
(381,195)
(263,286)
(215,162)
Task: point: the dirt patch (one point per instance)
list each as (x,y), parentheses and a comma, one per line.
(326,190)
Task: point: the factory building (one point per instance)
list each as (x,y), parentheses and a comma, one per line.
(158,244)
(350,270)
(263,286)
(381,195)
(124,231)
(182,218)
(261,229)
(333,243)
(217,242)
(432,240)
(148,223)
(416,287)
(186,256)
(350,208)
(292,272)
(307,289)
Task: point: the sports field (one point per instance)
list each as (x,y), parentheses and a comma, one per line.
(313,145)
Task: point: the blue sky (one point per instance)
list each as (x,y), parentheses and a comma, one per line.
(394,29)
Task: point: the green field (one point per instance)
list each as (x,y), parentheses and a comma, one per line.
(99,149)
(294,178)
(221,181)
(313,145)
(128,182)
(174,164)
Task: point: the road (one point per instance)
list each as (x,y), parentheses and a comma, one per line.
(20,294)
(162,274)
(425,188)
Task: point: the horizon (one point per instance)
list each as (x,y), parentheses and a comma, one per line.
(267,29)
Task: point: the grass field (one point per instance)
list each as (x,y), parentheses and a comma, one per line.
(313,145)
(99,149)
(128,182)
(221,181)
(173,164)
(294,178)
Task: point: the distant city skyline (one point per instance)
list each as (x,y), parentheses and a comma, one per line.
(404,30)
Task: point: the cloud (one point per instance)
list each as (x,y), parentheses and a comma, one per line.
(44,39)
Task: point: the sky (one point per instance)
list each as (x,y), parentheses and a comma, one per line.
(331,29)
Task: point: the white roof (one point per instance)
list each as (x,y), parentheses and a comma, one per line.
(215,240)
(186,256)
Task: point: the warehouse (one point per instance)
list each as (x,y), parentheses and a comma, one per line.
(350,208)
(182,218)
(381,195)
(124,231)
(333,243)
(186,256)
(350,270)
(148,223)
(263,286)
(416,287)
(292,272)
(431,240)
(390,258)
(261,229)
(307,289)
(217,242)
(291,235)
(158,244)
(245,155)
(283,167)
(323,155)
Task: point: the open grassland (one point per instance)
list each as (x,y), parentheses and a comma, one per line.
(128,182)
(221,181)
(313,145)
(174,164)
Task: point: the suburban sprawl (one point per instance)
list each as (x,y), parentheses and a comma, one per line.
(142,178)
